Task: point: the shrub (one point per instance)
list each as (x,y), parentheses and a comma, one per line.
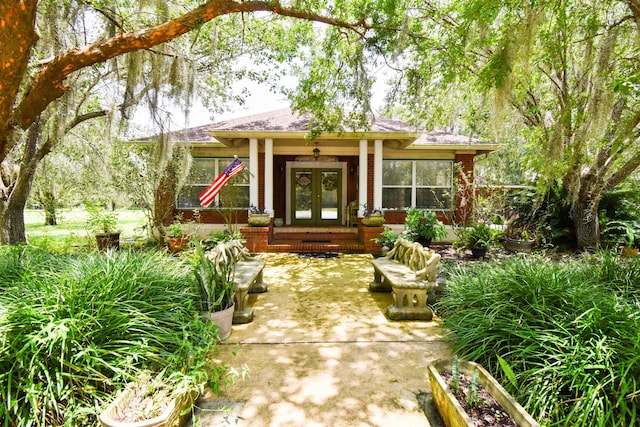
(75,329)
(568,330)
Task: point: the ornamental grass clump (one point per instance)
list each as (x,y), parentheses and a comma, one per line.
(570,331)
(75,329)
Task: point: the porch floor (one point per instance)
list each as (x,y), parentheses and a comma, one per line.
(315,239)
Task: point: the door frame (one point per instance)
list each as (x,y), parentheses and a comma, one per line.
(342,204)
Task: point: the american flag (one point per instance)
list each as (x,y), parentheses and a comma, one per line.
(208,195)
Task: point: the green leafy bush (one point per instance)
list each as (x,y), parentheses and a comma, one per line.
(73,329)
(570,332)
(420,223)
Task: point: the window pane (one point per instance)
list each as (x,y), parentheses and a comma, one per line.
(234,196)
(242,178)
(396,172)
(202,171)
(433,198)
(188,197)
(433,172)
(396,198)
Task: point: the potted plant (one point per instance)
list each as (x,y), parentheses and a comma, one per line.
(214,286)
(153,402)
(519,238)
(478,237)
(449,395)
(104,225)
(372,218)
(387,239)
(175,236)
(258,217)
(423,226)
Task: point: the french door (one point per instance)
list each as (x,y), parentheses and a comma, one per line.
(316,195)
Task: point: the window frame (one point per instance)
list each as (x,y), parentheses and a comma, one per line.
(215,205)
(414,186)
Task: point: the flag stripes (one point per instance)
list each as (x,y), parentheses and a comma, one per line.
(208,195)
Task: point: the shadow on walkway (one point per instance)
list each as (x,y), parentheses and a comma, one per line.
(320,352)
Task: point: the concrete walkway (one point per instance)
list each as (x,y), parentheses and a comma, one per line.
(320,352)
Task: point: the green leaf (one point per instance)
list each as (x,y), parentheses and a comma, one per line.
(508,372)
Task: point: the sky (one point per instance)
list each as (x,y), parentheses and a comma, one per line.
(261,100)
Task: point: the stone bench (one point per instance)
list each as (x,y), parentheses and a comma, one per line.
(409,270)
(247,278)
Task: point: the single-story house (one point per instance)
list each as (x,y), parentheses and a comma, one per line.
(327,181)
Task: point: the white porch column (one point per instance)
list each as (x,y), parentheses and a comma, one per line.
(268,174)
(362,178)
(377,174)
(253,172)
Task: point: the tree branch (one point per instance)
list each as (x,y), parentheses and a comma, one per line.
(49,83)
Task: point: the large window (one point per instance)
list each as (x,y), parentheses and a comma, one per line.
(424,184)
(234,195)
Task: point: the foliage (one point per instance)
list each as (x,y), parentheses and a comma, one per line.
(387,238)
(100,221)
(77,328)
(626,231)
(557,80)
(421,223)
(213,278)
(254,210)
(622,203)
(539,217)
(478,235)
(221,236)
(568,330)
(367,212)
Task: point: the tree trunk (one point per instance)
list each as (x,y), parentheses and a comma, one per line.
(49,205)
(12,231)
(586,224)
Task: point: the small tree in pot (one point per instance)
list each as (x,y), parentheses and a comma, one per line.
(105,227)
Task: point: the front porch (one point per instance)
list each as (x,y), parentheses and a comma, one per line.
(352,240)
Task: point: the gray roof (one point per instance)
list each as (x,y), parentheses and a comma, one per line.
(285,120)
(445,138)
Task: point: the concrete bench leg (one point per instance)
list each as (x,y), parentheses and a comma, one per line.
(258,286)
(409,304)
(379,283)
(242,313)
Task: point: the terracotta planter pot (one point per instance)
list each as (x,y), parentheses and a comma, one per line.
(170,417)
(452,413)
(223,319)
(177,244)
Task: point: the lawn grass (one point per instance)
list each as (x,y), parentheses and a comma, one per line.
(72,230)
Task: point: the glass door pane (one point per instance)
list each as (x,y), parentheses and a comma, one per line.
(330,182)
(303,195)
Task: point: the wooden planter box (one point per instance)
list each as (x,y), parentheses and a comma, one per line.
(452,413)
